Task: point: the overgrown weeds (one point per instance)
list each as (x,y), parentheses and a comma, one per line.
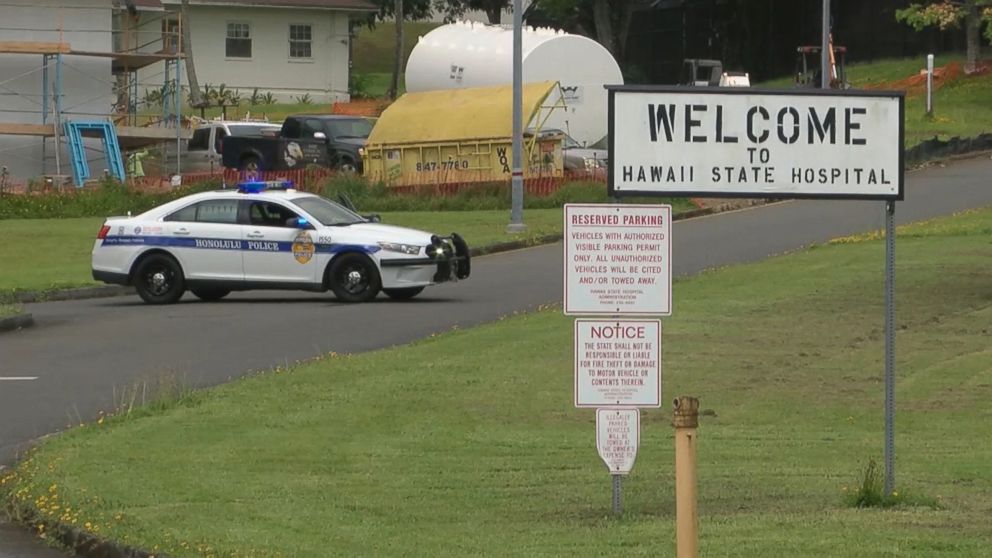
(870,492)
(145,397)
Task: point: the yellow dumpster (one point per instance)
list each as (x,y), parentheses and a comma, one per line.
(461,135)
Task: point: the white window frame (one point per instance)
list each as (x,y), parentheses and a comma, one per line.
(291,40)
(250,38)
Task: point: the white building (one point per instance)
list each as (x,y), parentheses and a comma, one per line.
(86,81)
(289,48)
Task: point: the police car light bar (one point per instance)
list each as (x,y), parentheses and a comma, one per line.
(258,186)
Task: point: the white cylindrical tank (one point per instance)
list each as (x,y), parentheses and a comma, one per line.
(465,54)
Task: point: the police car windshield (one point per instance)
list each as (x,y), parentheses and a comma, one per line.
(327,212)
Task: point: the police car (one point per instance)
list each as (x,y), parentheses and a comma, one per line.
(266,235)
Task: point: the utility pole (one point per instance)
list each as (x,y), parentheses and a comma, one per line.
(517,178)
(825,53)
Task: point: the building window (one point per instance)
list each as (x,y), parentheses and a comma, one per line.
(300,41)
(170,35)
(238,40)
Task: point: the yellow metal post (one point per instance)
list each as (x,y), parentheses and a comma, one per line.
(686,513)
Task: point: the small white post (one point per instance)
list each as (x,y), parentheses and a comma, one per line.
(929,85)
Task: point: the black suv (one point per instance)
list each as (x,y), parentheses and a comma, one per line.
(300,140)
(345,135)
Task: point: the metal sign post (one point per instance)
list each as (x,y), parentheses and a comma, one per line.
(890,346)
(617,495)
(825,69)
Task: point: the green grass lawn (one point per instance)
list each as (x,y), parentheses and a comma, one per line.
(467,443)
(46,254)
(372,50)
(962,109)
(376,84)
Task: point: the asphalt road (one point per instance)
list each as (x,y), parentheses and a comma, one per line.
(82,353)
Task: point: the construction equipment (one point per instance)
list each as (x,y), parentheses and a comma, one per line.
(104,129)
(700,72)
(808,66)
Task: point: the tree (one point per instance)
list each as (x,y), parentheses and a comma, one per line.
(394,83)
(948,14)
(187,47)
(492,8)
(399,10)
(608,21)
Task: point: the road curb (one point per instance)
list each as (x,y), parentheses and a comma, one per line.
(81,293)
(16,322)
(81,542)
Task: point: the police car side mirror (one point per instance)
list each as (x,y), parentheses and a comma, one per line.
(319,135)
(374,218)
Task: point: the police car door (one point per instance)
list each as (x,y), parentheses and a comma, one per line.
(206,238)
(276,249)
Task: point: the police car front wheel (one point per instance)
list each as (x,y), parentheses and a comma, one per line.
(159,279)
(353,278)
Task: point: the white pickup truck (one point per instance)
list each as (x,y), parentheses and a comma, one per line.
(203,150)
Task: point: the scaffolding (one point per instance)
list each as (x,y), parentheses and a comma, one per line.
(132,35)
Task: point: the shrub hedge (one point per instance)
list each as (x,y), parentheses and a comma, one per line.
(100,200)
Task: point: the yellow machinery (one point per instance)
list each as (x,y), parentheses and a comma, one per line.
(462,135)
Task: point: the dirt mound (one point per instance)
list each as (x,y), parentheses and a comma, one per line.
(917,85)
(361,107)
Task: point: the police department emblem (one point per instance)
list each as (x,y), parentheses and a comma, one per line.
(303,248)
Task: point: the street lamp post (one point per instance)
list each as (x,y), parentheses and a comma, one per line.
(517,178)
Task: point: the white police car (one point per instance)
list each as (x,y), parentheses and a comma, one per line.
(268,236)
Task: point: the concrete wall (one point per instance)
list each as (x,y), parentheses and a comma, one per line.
(86,81)
(270,69)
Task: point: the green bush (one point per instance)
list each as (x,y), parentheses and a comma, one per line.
(483,196)
(112,198)
(102,200)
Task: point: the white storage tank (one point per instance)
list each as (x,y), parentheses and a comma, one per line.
(466,54)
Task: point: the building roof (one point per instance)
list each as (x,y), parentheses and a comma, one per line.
(347,5)
(477,113)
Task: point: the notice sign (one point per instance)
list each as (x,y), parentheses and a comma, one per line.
(618,363)
(747,143)
(618,259)
(618,434)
